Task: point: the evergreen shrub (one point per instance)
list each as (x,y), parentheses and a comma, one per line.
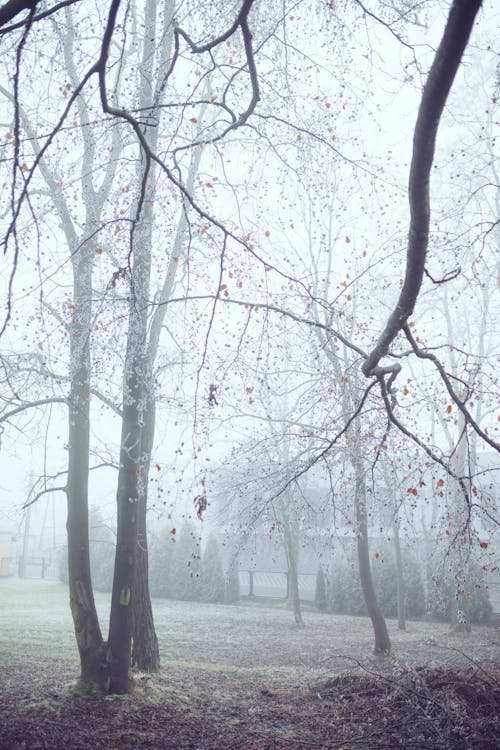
(345,595)
(185,579)
(320,591)
(212,573)
(442,595)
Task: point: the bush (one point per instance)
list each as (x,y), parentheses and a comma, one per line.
(470,593)
(320,591)
(415,591)
(212,573)
(232,585)
(386,584)
(345,595)
(161,549)
(185,580)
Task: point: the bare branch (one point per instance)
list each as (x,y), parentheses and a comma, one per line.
(13,7)
(8,12)
(435,94)
(422,354)
(107,401)
(40,494)
(409,434)
(11,228)
(388,26)
(33,405)
(272,308)
(447,277)
(322,454)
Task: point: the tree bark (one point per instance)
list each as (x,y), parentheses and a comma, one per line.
(401,588)
(145,650)
(136,443)
(118,653)
(12,8)
(145,654)
(86,624)
(291,548)
(382,640)
(459,520)
(85,619)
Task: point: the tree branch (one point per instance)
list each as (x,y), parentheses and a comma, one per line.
(33,405)
(40,494)
(13,7)
(8,12)
(435,94)
(453,395)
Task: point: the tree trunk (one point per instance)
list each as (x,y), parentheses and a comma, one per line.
(146,656)
(459,522)
(145,651)
(134,460)
(460,608)
(86,623)
(382,640)
(26,535)
(401,588)
(291,548)
(120,625)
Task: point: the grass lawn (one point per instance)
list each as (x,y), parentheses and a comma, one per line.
(35,621)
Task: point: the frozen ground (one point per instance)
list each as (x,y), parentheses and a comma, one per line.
(253,642)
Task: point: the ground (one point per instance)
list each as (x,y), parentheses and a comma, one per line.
(244,677)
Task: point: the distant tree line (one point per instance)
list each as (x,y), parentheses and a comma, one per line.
(177,568)
(339,589)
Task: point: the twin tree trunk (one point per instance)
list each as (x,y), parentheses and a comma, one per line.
(104,665)
(134,457)
(131,619)
(107,665)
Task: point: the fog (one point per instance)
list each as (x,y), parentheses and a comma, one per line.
(249,352)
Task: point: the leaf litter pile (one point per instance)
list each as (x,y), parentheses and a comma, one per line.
(244,677)
(422,708)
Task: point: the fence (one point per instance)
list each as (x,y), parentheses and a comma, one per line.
(274,585)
